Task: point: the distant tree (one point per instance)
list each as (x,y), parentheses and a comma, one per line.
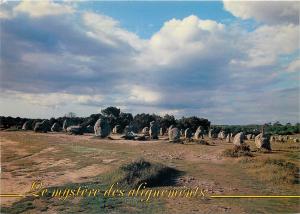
(142,120)
(111,111)
(124,119)
(167,121)
(277,123)
(193,123)
(52,121)
(70,115)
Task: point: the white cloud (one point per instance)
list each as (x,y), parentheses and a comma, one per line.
(179,40)
(142,94)
(175,112)
(183,69)
(42,8)
(5,14)
(108,30)
(270,12)
(265,44)
(294,66)
(53,99)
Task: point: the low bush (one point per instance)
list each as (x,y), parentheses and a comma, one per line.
(238,151)
(154,174)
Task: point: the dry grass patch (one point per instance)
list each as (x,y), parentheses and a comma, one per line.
(142,171)
(276,171)
(238,151)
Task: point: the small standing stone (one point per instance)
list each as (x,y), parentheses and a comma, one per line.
(117,129)
(228,138)
(26,126)
(145,130)
(66,124)
(161,132)
(174,135)
(55,127)
(222,135)
(102,128)
(154,130)
(43,126)
(188,134)
(238,139)
(249,136)
(262,141)
(76,130)
(199,133)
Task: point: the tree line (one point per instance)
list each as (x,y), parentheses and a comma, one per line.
(139,121)
(114,117)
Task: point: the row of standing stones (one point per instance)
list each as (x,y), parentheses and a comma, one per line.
(102,129)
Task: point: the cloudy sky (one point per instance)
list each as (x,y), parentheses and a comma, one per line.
(230,62)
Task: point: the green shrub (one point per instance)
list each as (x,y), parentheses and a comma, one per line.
(154,174)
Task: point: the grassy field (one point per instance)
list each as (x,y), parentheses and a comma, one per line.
(61,160)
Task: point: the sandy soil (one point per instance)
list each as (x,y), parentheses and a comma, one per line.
(57,159)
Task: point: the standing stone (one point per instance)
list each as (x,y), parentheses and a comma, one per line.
(249,136)
(174,134)
(89,129)
(279,138)
(26,126)
(228,138)
(199,133)
(117,129)
(154,130)
(188,133)
(102,128)
(128,133)
(222,135)
(76,130)
(239,139)
(272,139)
(55,127)
(161,132)
(169,129)
(66,124)
(43,126)
(128,130)
(145,130)
(262,141)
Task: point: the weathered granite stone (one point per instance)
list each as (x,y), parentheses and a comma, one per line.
(239,139)
(102,128)
(154,130)
(117,129)
(174,135)
(43,126)
(56,127)
(199,133)
(75,130)
(188,133)
(145,130)
(228,138)
(26,126)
